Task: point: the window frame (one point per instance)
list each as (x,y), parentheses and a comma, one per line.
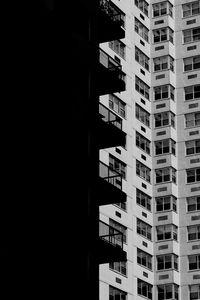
(144,8)
(143,171)
(193,173)
(144,259)
(116,102)
(163,147)
(162,35)
(142,88)
(190,90)
(194,119)
(173,262)
(192,65)
(142,115)
(168,91)
(163,63)
(168,203)
(169,9)
(196,292)
(142,30)
(197,262)
(173,294)
(118,47)
(192,147)
(144,289)
(190,9)
(122,294)
(118,226)
(118,166)
(166,232)
(119,267)
(141,198)
(144,229)
(165,118)
(167,174)
(140,140)
(142,58)
(196,204)
(189,34)
(193,232)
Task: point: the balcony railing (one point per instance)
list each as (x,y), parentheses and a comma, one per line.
(110,235)
(111,10)
(108,62)
(109,117)
(110,175)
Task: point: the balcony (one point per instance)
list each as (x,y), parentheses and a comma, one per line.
(111,79)
(110,244)
(110,132)
(109,189)
(110,21)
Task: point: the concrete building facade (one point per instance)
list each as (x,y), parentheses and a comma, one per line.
(160,161)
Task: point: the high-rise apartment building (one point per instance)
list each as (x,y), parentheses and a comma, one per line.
(158,166)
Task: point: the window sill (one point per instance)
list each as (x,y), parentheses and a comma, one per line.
(165,182)
(157,43)
(191,241)
(191,271)
(189,183)
(164,241)
(166,211)
(165,15)
(145,267)
(189,100)
(118,273)
(163,100)
(164,154)
(187,43)
(183,18)
(192,212)
(194,154)
(189,71)
(165,70)
(164,126)
(196,126)
(166,270)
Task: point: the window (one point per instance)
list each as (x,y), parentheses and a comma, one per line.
(191,63)
(144,289)
(164,92)
(192,92)
(166,203)
(142,115)
(191,9)
(194,291)
(142,143)
(192,119)
(165,146)
(165,118)
(141,58)
(168,291)
(143,6)
(191,35)
(142,30)
(121,205)
(167,232)
(193,175)
(193,232)
(143,171)
(163,63)
(192,147)
(163,35)
(116,294)
(118,47)
(143,199)
(142,87)
(117,165)
(165,175)
(144,259)
(119,266)
(193,203)
(119,227)
(117,105)
(167,261)
(162,8)
(194,262)
(144,229)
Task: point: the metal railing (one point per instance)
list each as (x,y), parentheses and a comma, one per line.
(108,62)
(111,10)
(110,175)
(110,235)
(109,117)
